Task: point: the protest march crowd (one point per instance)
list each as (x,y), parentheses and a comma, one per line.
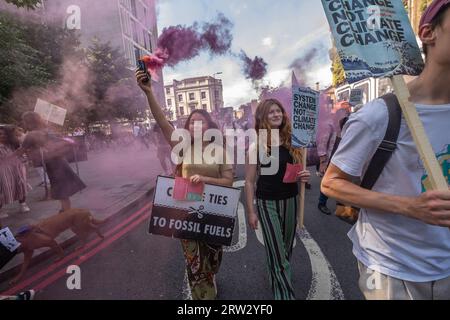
(401,222)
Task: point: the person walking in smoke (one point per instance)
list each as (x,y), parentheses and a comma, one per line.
(327,146)
(202,259)
(276,201)
(64,182)
(402,236)
(13,185)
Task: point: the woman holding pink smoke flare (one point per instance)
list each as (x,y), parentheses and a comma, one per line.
(202,259)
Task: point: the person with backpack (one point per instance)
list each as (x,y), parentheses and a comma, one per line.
(402,237)
(326,147)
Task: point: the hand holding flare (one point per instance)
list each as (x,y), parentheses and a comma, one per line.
(155,62)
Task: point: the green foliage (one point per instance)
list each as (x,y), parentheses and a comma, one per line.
(46,61)
(423,6)
(114,92)
(337,68)
(20,65)
(29,4)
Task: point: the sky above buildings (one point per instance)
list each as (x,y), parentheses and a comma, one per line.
(280,31)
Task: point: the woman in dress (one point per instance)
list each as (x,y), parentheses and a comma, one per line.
(13,185)
(48,149)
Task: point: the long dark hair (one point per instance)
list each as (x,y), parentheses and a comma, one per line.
(211,125)
(11,139)
(206,115)
(33,121)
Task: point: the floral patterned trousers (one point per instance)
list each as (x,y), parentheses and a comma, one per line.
(202,264)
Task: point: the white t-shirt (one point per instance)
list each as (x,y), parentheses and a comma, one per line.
(391,244)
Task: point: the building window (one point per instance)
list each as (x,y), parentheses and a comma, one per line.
(150,46)
(191,96)
(203,95)
(169,102)
(365,88)
(167,90)
(134,8)
(124,18)
(192,107)
(135,33)
(217,93)
(181,111)
(180,98)
(144,38)
(204,106)
(343,96)
(137,54)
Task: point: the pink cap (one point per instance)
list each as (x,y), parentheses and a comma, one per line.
(432,10)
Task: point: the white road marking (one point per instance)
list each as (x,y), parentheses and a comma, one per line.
(324,283)
(242,223)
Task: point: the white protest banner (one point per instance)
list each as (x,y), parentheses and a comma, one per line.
(356,97)
(7,240)
(50,112)
(211,220)
(305,121)
(305,116)
(374,38)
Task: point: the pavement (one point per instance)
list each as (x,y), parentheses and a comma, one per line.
(116,180)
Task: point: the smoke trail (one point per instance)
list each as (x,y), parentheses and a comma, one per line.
(254,69)
(217,36)
(182,43)
(302,65)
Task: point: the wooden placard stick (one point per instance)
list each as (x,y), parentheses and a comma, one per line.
(301,198)
(426,152)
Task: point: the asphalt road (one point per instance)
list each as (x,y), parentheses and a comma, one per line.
(132,264)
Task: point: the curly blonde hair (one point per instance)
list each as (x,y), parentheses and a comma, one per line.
(262,123)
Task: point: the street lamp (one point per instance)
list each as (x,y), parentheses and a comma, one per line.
(215,84)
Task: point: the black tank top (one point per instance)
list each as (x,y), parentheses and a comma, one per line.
(272,187)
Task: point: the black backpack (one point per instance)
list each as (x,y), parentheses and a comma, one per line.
(380,158)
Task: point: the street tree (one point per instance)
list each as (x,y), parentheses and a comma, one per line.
(29,4)
(20,66)
(114,92)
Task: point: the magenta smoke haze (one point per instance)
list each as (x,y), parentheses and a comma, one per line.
(183,43)
(254,69)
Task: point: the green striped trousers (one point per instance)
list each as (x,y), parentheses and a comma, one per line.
(279,222)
